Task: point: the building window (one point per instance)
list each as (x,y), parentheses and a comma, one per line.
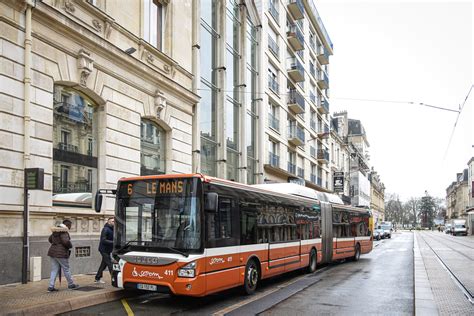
(74,155)
(208,104)
(153,32)
(251,78)
(153,148)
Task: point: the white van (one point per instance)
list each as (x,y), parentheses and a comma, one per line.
(458,227)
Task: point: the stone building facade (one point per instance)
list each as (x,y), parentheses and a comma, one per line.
(90,91)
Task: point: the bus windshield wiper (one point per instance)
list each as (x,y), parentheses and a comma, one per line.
(178,251)
(125,245)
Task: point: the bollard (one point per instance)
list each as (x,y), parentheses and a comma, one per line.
(35,269)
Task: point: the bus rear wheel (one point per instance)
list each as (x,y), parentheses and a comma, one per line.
(312,261)
(252,275)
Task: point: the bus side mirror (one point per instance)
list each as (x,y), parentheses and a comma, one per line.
(98,202)
(210,202)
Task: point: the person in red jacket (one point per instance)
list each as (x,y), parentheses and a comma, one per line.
(59,252)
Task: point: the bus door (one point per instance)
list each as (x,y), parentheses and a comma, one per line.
(326,231)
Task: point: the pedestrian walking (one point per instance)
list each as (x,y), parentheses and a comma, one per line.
(105,248)
(59,252)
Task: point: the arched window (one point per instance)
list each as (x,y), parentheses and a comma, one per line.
(153,146)
(74,148)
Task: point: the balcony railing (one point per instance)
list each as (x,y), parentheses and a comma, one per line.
(323,155)
(273,84)
(274,11)
(273,46)
(68,147)
(323,131)
(296,101)
(323,56)
(296,8)
(295,69)
(313,152)
(313,177)
(296,135)
(295,37)
(300,172)
(325,106)
(291,168)
(273,122)
(323,80)
(274,160)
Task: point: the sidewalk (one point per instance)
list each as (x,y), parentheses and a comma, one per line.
(34,299)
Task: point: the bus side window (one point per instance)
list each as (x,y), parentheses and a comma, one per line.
(219,224)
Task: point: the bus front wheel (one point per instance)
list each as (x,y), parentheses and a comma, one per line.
(312,261)
(251,277)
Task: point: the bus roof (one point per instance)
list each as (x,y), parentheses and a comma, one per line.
(299,190)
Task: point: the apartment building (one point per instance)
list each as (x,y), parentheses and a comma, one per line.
(294,65)
(90,91)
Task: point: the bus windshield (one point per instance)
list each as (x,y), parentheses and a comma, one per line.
(159,213)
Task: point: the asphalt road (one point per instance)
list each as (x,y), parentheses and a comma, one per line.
(379,283)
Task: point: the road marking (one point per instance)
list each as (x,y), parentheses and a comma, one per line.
(228,309)
(127,307)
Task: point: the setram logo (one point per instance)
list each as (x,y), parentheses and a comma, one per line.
(146,274)
(216,261)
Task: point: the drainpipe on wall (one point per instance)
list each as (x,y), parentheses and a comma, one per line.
(196,139)
(26,139)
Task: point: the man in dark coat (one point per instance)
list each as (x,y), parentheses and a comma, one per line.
(106,246)
(59,252)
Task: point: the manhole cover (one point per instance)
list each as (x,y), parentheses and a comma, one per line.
(88,288)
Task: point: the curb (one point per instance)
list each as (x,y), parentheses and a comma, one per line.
(72,304)
(424,300)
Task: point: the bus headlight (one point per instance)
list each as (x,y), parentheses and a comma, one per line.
(116,267)
(188,271)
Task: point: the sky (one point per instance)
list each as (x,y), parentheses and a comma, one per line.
(408,51)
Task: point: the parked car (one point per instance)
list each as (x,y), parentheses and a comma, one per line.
(378,234)
(447,229)
(458,227)
(387,229)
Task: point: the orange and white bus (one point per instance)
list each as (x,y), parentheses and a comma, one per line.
(195,235)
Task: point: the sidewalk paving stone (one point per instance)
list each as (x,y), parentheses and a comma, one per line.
(34,299)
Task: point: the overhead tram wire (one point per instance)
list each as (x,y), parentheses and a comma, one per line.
(456,123)
(349,99)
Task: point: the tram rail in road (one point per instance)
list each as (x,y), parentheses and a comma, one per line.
(467,293)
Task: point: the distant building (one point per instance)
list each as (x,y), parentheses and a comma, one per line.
(359,163)
(457,196)
(377,196)
(340,158)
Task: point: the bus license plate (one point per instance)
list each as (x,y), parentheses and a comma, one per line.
(147,287)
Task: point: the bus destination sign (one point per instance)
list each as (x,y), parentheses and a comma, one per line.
(154,187)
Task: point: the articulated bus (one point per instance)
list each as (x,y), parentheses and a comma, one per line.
(196,235)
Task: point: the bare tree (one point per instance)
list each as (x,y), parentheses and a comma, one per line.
(412,206)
